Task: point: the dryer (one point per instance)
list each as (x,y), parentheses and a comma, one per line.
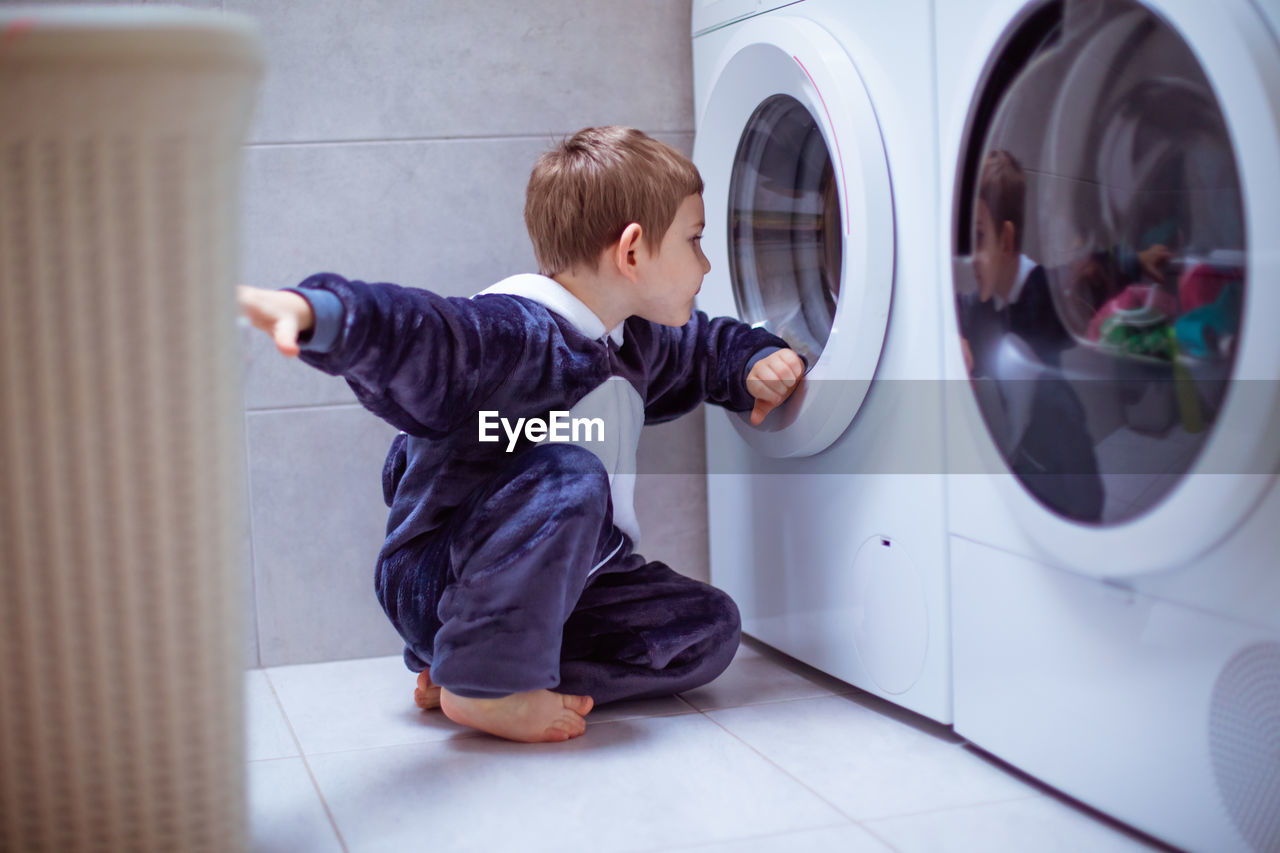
(816,140)
(1114,513)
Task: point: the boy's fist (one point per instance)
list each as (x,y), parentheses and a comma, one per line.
(771,381)
(279,313)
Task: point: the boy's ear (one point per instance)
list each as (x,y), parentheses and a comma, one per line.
(1006,237)
(627,251)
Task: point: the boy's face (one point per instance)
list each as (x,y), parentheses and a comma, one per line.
(995,263)
(672,275)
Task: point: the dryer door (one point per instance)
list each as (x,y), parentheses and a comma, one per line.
(799,219)
(1115,273)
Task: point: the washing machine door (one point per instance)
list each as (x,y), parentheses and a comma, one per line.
(1116,219)
(799,219)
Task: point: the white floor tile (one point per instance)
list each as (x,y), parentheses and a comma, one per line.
(356,704)
(666,706)
(1040,823)
(635,785)
(865,762)
(266,732)
(285,812)
(759,675)
(835,839)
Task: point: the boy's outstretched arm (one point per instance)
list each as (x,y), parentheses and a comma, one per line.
(281,314)
(420,361)
(771,381)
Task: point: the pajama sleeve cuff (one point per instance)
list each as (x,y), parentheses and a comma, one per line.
(327,308)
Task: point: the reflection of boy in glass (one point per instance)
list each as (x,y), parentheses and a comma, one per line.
(1051,451)
(1013,290)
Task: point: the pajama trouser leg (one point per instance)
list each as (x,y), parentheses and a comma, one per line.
(503,600)
(484,603)
(646,632)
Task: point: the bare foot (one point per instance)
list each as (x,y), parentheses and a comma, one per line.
(426,695)
(537,716)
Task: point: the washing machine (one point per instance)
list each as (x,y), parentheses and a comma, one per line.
(816,140)
(1112,409)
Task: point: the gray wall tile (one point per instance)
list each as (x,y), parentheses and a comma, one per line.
(389,69)
(445,215)
(272,381)
(680,141)
(318,522)
(671,495)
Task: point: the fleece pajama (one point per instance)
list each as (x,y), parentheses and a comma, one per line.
(503,600)
(511,568)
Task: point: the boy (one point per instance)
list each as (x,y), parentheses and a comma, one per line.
(508,566)
(1043,429)
(1013,290)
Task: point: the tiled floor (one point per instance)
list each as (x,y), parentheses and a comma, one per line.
(773,756)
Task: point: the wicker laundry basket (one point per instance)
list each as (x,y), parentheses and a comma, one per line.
(121,435)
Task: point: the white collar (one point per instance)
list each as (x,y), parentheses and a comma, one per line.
(552,295)
(1025,266)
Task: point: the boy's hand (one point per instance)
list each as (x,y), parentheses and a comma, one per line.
(279,313)
(771,381)
(1153,260)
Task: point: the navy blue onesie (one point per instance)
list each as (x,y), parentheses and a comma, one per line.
(1054,456)
(509,568)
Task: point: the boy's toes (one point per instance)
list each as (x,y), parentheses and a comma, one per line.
(427,699)
(571,722)
(556,734)
(567,727)
(426,695)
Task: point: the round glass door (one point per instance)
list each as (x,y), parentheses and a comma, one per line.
(785,227)
(800,220)
(1100,260)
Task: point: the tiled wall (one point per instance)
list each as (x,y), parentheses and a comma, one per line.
(392,142)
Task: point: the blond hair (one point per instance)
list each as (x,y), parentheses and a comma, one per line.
(1003,189)
(587,189)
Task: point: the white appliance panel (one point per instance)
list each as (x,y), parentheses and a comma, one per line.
(833,544)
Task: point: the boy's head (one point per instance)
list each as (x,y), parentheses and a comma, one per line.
(586,190)
(1002,189)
